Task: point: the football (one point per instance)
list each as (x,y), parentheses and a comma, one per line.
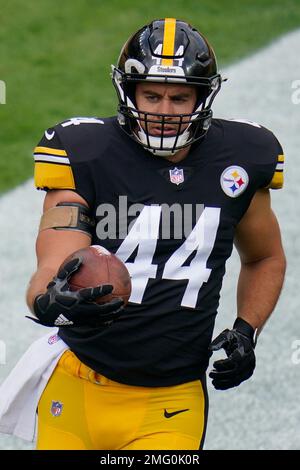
(99,266)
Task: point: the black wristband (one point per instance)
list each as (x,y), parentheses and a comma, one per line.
(243,327)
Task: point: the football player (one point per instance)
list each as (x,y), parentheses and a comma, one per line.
(183,187)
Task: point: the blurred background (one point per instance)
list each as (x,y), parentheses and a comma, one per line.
(55,61)
(55,57)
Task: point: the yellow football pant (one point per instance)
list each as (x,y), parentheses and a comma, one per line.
(80,409)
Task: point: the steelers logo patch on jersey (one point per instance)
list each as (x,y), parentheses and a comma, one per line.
(234,180)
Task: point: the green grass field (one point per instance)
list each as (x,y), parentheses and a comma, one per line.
(56,56)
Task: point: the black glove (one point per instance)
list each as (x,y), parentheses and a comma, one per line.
(64,308)
(239,347)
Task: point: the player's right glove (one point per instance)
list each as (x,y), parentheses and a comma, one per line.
(59,306)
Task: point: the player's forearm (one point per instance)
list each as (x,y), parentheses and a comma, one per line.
(38,284)
(259,287)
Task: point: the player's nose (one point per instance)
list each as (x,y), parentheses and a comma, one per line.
(166,106)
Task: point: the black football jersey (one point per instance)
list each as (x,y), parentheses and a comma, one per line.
(172,224)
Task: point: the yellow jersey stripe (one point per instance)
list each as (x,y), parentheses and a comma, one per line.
(277,180)
(169,40)
(53,176)
(50,151)
(281,158)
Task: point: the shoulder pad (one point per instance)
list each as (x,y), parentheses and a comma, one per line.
(74,141)
(267,151)
(84,137)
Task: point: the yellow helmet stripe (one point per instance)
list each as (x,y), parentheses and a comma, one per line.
(169,40)
(48,150)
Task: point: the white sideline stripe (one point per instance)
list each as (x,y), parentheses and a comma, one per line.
(51,158)
(259,89)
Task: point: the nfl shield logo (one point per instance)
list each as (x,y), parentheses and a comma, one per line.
(53,339)
(56,408)
(176,176)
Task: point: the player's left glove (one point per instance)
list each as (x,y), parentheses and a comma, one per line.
(238,344)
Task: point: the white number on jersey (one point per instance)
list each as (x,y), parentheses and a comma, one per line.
(202,238)
(143,238)
(82,120)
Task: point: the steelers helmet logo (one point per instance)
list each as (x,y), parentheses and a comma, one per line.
(234,181)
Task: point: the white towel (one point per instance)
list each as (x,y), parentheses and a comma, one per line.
(21,390)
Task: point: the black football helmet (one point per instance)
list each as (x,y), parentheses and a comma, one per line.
(168,51)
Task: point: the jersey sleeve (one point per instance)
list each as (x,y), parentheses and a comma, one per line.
(259,149)
(278,174)
(59,166)
(52,167)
